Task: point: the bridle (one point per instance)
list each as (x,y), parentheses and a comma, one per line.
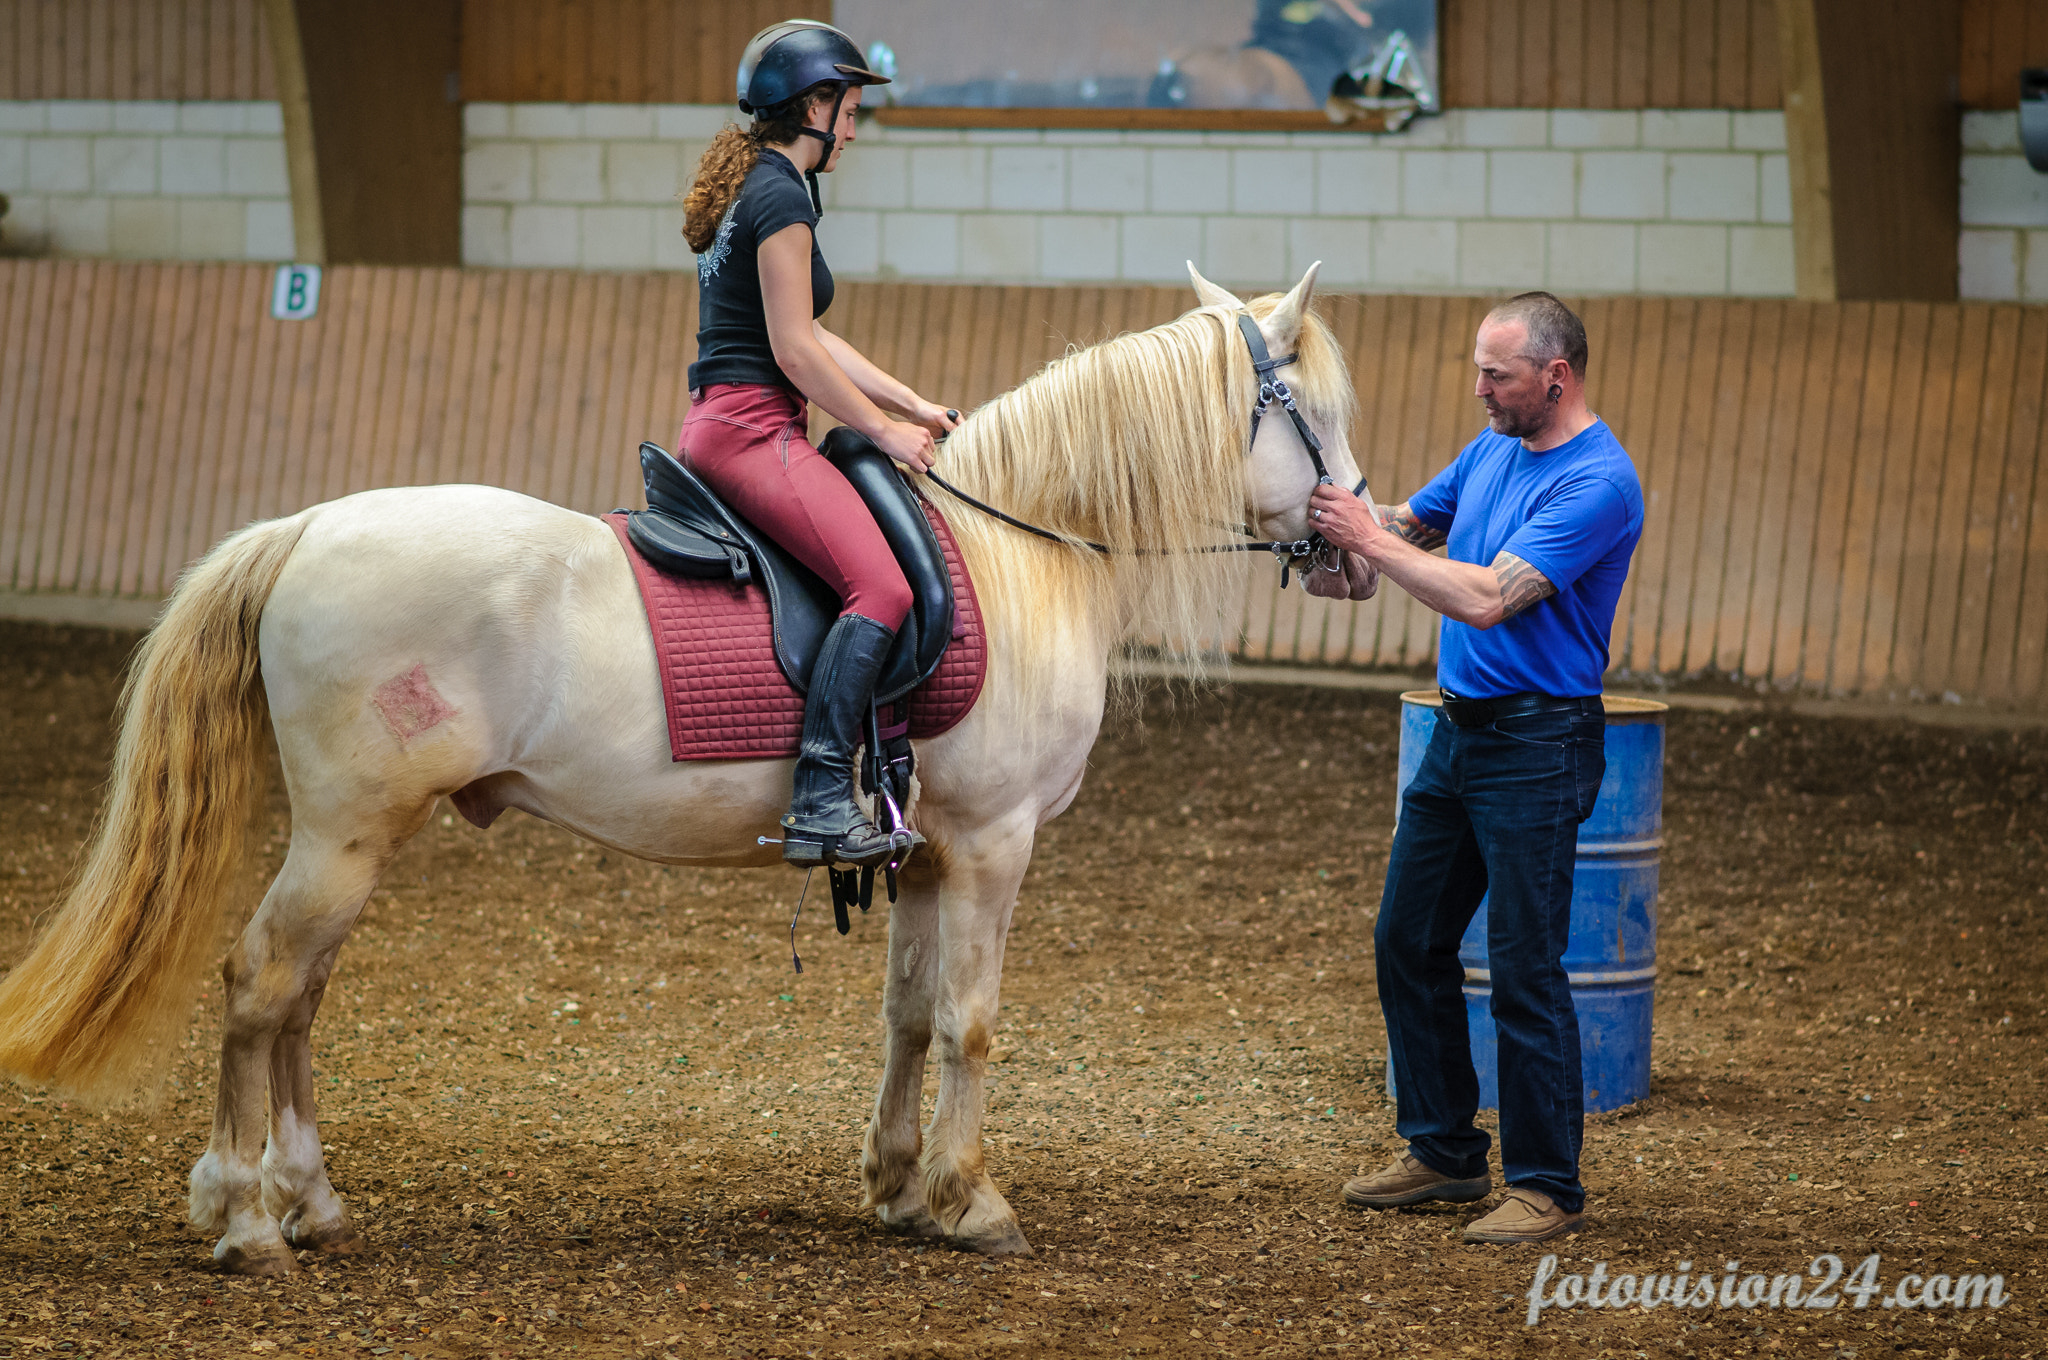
(1299,554)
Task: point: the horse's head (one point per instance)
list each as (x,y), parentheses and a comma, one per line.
(1279,474)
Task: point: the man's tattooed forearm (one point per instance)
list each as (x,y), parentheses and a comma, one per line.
(1404,523)
(1521,585)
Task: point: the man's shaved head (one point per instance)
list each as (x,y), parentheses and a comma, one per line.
(1555,331)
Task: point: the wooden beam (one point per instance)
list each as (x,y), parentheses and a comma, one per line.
(1873,132)
(373,129)
(287,59)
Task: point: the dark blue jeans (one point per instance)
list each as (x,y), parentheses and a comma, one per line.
(1492,810)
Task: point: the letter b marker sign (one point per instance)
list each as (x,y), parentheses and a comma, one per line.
(295,295)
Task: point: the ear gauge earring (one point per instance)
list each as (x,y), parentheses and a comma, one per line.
(1556,392)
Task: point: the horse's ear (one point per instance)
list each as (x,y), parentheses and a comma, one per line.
(1284,325)
(1209,295)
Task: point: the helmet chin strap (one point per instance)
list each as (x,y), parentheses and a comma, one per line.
(831,139)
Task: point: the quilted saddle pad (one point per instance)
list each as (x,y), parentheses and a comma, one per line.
(728,700)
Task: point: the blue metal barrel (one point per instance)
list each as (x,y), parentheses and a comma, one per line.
(1612,954)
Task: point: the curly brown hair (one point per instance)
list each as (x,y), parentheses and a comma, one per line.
(725,164)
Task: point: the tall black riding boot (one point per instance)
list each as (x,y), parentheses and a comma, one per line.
(824,823)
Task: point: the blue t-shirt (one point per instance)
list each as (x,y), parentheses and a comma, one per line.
(1574,513)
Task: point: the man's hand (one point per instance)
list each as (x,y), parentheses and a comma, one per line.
(1346,522)
(1356,579)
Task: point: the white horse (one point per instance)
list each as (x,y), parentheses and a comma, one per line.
(416,643)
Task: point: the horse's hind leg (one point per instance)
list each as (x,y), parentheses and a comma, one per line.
(273,977)
(296,1191)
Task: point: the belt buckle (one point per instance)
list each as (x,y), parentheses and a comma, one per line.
(1466,712)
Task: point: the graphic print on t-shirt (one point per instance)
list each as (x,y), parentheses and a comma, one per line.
(721,246)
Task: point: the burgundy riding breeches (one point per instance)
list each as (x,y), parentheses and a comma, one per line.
(748,443)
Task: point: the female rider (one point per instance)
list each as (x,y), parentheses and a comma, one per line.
(760,354)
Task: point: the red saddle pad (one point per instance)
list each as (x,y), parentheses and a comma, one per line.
(728,700)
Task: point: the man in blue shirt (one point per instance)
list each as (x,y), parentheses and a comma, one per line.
(1541,514)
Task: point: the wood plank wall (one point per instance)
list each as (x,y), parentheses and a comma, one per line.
(1843,498)
(1496,53)
(1609,54)
(611,51)
(1999,37)
(133,49)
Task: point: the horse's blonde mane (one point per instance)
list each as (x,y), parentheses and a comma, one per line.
(1137,443)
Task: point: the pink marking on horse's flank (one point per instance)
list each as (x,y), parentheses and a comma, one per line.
(410,704)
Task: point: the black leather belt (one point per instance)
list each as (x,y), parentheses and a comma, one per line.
(1479,712)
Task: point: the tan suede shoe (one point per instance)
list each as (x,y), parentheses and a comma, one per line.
(1408,1181)
(1523,1215)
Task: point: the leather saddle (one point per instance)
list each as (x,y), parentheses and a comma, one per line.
(688,531)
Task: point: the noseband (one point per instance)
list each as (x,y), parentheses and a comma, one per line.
(1300,554)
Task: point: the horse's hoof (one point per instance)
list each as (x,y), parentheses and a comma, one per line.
(917,1223)
(341,1240)
(270,1263)
(1007,1240)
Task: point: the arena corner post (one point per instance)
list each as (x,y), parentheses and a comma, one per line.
(1873,136)
(370,93)
(288,59)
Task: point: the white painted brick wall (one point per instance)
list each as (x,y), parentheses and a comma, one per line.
(1674,258)
(1622,184)
(915,243)
(850,235)
(1352,182)
(998,245)
(1189,179)
(2004,250)
(1500,254)
(145,179)
(1480,199)
(1531,184)
(1443,184)
(1714,188)
(1156,249)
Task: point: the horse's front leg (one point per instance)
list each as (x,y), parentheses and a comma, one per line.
(976,898)
(888,1165)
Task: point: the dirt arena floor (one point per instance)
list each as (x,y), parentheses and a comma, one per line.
(583,1107)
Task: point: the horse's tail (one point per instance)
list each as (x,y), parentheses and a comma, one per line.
(111,978)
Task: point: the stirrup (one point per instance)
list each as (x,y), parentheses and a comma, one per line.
(877,848)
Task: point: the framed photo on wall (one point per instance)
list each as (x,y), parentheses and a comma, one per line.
(1293,64)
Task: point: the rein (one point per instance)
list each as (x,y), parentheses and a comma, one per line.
(1289,553)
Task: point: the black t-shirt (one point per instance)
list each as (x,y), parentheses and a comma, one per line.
(732,327)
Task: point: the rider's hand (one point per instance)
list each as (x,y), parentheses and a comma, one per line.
(938,419)
(910,445)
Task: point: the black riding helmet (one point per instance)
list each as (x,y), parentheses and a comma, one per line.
(783,60)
